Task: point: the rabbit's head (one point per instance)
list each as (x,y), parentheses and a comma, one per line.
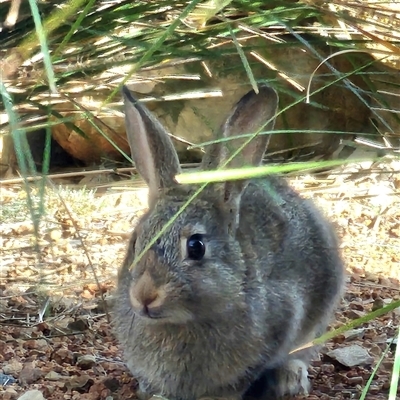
(194,271)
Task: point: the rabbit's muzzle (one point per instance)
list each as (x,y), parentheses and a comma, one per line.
(146,291)
(146,299)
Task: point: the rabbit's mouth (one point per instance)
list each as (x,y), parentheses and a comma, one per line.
(161,315)
(150,313)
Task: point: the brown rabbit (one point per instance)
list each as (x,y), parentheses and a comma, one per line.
(246,273)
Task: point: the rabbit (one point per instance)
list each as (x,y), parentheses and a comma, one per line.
(246,273)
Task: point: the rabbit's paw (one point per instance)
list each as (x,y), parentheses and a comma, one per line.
(143,394)
(293,378)
(157,397)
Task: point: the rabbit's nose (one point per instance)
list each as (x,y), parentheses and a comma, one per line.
(145,296)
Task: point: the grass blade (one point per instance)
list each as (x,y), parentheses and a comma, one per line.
(356,322)
(24,156)
(253,172)
(43,44)
(244,60)
(75,26)
(394,384)
(374,371)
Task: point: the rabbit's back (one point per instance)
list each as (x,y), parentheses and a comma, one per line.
(290,241)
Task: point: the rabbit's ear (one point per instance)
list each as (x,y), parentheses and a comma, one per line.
(151,148)
(252,113)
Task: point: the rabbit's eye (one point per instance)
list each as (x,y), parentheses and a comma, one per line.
(195,247)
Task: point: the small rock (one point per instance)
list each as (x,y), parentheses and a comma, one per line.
(374,389)
(29,374)
(396,311)
(387,365)
(112,384)
(377,304)
(386,385)
(6,350)
(38,344)
(62,355)
(53,376)
(23,228)
(79,382)
(327,368)
(375,350)
(13,367)
(86,361)
(355,305)
(355,380)
(32,395)
(9,394)
(374,337)
(369,276)
(354,314)
(79,325)
(351,356)
(55,235)
(385,282)
(354,333)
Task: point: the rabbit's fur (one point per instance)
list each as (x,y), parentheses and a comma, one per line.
(223,325)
